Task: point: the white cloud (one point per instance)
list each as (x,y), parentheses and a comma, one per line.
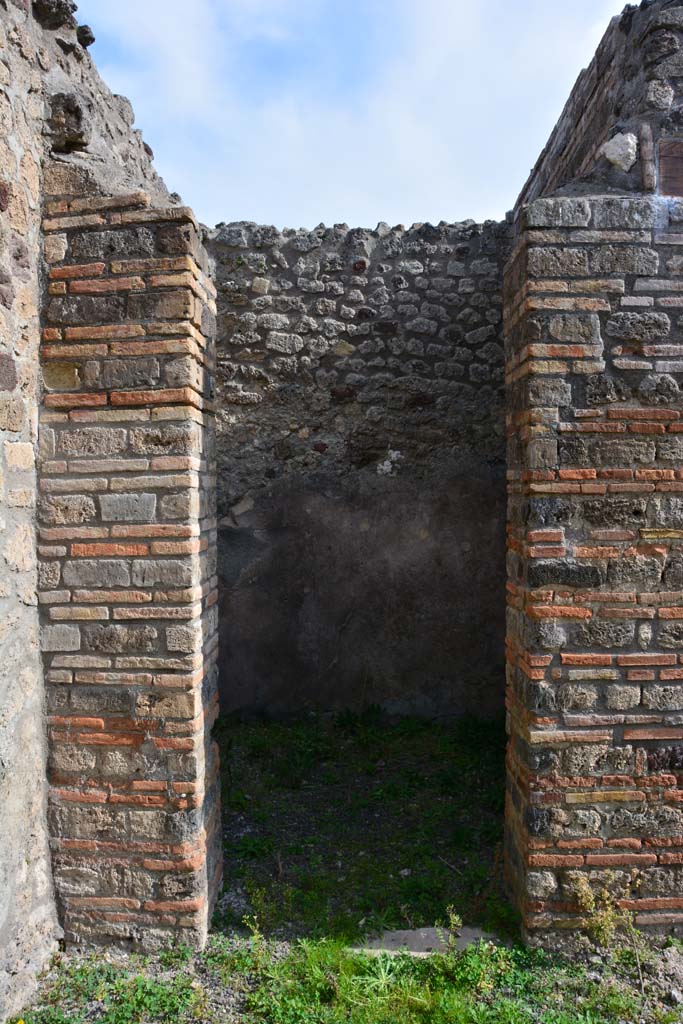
(167,61)
(452,111)
(267,19)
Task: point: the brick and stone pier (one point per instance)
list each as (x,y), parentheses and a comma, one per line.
(595,591)
(127,574)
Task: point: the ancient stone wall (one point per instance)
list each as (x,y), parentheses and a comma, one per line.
(361,467)
(61,129)
(594,362)
(28,924)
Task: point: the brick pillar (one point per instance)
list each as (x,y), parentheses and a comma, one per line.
(593,307)
(127,571)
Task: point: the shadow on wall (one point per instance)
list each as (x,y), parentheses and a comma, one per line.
(367,589)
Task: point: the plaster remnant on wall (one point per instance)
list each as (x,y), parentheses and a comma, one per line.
(390,464)
(621,151)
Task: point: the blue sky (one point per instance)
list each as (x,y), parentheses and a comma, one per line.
(293,112)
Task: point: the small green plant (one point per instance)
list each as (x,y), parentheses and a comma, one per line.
(450,931)
(258,944)
(605,917)
(254,847)
(121,997)
(234,961)
(175,956)
(323,981)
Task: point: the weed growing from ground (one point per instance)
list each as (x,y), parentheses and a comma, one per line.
(120,996)
(325,982)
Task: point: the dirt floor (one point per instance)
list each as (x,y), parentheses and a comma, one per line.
(343,827)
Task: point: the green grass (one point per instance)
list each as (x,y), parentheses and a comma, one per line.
(323,981)
(120,996)
(338,828)
(347,826)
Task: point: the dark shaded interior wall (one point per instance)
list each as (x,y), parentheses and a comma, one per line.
(361,468)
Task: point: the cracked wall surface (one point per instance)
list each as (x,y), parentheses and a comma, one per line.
(28,923)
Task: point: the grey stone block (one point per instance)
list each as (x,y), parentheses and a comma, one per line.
(659,389)
(670,635)
(92,441)
(130,373)
(604,633)
(558,213)
(609,511)
(60,638)
(183,638)
(668,512)
(120,639)
(577,329)
(287,343)
(183,372)
(622,452)
(622,698)
(131,243)
(128,508)
(563,572)
(663,698)
(167,439)
(273,321)
(86,309)
(602,389)
(638,573)
(673,573)
(93,574)
(558,262)
(168,572)
(62,510)
(638,326)
(169,305)
(623,214)
(624,259)
(179,506)
(49,575)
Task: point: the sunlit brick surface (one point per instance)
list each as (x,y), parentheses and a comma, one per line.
(595,560)
(127,546)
